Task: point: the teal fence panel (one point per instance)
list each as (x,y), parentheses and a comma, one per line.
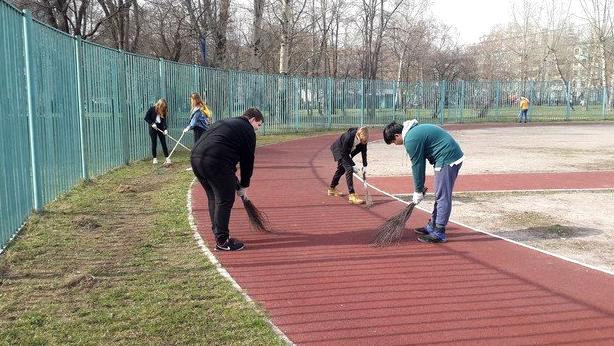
(15,170)
(56,132)
(180,82)
(143,83)
(102,108)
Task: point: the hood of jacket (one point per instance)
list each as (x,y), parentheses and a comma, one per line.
(407,125)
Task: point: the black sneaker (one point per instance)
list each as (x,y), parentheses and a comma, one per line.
(230,245)
(433,238)
(421,230)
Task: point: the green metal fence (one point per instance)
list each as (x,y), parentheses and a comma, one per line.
(72,110)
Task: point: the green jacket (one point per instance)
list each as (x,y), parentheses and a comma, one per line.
(429,142)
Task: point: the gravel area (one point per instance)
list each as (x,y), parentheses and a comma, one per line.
(575,224)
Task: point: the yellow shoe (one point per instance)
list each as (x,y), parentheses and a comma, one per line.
(333,192)
(353,199)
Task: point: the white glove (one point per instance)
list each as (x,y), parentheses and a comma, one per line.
(364,170)
(356,169)
(418,197)
(186,129)
(242,192)
(166,132)
(155,127)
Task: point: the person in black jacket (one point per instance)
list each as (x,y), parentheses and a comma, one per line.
(352,142)
(214,160)
(156,118)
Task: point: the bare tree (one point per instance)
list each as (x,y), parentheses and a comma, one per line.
(125,26)
(79,18)
(256,58)
(376,16)
(598,14)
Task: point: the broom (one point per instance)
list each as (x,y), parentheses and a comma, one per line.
(391,231)
(368,199)
(258,220)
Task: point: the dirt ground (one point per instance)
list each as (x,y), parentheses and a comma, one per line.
(575,224)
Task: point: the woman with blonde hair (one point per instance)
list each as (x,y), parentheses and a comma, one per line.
(200,117)
(348,145)
(156,118)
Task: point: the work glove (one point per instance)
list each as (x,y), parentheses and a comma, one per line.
(186,129)
(154,126)
(166,132)
(242,192)
(418,197)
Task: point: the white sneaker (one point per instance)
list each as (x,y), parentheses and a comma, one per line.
(155,161)
(167,161)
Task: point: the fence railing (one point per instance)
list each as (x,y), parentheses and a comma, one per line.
(72,110)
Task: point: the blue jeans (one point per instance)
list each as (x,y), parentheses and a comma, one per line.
(523,115)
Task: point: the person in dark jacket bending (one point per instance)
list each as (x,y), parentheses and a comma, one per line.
(214,160)
(352,142)
(156,118)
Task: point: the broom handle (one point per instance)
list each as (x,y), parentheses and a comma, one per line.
(176,141)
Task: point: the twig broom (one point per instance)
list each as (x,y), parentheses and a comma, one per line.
(258,220)
(391,231)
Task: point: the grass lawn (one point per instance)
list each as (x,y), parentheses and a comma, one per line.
(114,261)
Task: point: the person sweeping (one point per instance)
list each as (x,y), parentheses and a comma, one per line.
(214,159)
(200,117)
(427,142)
(348,145)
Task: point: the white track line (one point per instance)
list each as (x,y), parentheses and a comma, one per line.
(220,269)
(498,236)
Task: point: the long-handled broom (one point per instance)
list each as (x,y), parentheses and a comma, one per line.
(257,218)
(391,231)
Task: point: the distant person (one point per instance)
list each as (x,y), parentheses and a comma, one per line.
(214,161)
(524,109)
(427,142)
(200,117)
(156,118)
(348,145)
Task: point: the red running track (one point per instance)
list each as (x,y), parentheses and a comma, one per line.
(323,284)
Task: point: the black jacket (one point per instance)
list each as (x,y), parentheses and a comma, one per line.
(150,118)
(342,147)
(226,143)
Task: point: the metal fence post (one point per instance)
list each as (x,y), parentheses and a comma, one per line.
(329,91)
(122,104)
(362,101)
(604,97)
(567,102)
(84,172)
(297,119)
(442,101)
(498,100)
(462,101)
(31,93)
(162,68)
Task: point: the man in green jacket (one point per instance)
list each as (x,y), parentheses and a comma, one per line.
(426,142)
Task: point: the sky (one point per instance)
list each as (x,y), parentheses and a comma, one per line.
(472,18)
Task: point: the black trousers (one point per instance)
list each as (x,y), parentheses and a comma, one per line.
(344,167)
(220,184)
(198,131)
(154,134)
